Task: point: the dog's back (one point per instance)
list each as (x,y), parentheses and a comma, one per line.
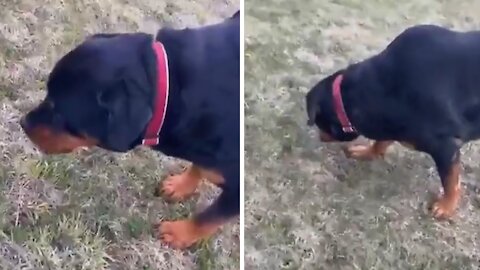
(436,73)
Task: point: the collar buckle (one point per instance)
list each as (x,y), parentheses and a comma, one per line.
(348,129)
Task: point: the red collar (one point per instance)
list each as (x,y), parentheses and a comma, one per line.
(161,98)
(347,126)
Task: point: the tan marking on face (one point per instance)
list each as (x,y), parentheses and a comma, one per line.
(51,142)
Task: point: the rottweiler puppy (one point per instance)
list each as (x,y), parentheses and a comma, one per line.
(178,93)
(422,90)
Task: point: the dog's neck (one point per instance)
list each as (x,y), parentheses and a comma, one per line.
(361,88)
(172,47)
(175,45)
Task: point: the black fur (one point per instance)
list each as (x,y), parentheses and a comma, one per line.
(105,89)
(424,89)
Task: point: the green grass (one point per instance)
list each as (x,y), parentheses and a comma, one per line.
(308,207)
(91,210)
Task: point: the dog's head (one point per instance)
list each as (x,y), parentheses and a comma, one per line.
(321,112)
(99,94)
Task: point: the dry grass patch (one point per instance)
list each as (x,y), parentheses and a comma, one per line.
(308,207)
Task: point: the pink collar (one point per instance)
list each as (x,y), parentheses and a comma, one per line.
(161,98)
(347,126)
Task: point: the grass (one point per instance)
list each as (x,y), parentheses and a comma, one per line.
(91,210)
(307,206)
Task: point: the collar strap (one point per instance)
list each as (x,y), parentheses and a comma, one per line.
(161,98)
(347,126)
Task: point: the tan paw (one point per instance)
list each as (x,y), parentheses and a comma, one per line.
(179,187)
(444,208)
(363,152)
(178,234)
(183,233)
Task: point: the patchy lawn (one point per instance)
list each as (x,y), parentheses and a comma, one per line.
(308,207)
(90,210)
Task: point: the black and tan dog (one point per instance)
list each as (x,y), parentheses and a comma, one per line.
(423,91)
(178,93)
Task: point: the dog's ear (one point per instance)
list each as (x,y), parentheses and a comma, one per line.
(129,112)
(313,107)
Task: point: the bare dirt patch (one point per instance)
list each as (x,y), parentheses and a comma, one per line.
(308,207)
(90,210)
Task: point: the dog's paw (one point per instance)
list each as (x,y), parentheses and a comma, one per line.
(178,234)
(179,187)
(444,208)
(182,234)
(362,152)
